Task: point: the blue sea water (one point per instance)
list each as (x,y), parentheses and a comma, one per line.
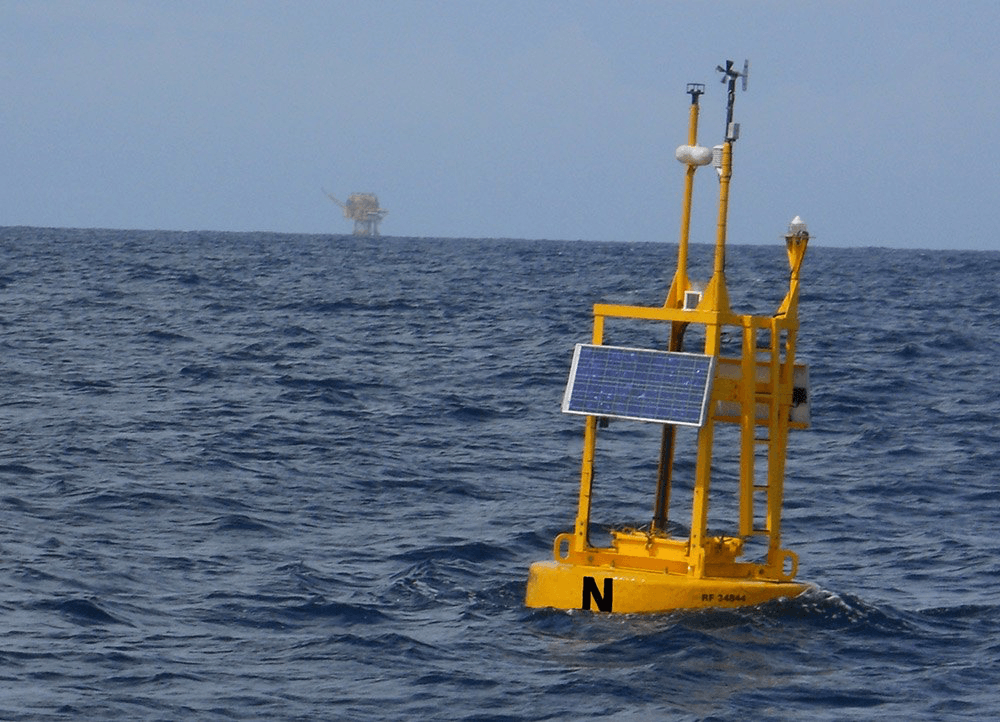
(266,476)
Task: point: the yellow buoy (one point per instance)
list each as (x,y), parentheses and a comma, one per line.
(762,390)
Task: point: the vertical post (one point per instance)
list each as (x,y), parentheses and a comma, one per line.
(716,295)
(717,300)
(716,291)
(664,469)
(581,537)
(675,299)
(703,469)
(681,282)
(748,423)
(699,505)
(781,390)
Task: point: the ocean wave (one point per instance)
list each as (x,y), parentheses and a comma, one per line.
(266,475)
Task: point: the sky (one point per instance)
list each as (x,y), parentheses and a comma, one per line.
(515,119)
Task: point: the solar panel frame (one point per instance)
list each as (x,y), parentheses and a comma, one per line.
(666,387)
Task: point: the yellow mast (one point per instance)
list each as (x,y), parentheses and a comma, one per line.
(675,299)
(681,284)
(716,302)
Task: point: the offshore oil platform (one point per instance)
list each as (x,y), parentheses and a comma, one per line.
(744,375)
(364,210)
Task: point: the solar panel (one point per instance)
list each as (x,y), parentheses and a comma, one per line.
(629,383)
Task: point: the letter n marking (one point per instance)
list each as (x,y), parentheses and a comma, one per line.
(590,592)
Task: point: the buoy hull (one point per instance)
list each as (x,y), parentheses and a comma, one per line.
(610,589)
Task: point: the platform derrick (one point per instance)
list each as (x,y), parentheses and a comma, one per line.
(759,389)
(364,210)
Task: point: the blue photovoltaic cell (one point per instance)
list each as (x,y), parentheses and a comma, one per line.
(627,383)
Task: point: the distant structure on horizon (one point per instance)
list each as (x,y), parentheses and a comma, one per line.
(364,210)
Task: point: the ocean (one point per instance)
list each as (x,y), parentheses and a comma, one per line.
(275,476)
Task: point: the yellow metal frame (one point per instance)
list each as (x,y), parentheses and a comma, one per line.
(645,571)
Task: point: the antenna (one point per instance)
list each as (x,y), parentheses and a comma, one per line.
(694,90)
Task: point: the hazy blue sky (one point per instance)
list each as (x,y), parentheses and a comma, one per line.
(872,120)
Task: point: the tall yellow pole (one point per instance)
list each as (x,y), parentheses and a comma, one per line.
(675,299)
(681,279)
(717,300)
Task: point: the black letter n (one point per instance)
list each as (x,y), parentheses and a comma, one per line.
(590,591)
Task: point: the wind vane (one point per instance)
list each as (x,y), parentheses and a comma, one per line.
(729,75)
